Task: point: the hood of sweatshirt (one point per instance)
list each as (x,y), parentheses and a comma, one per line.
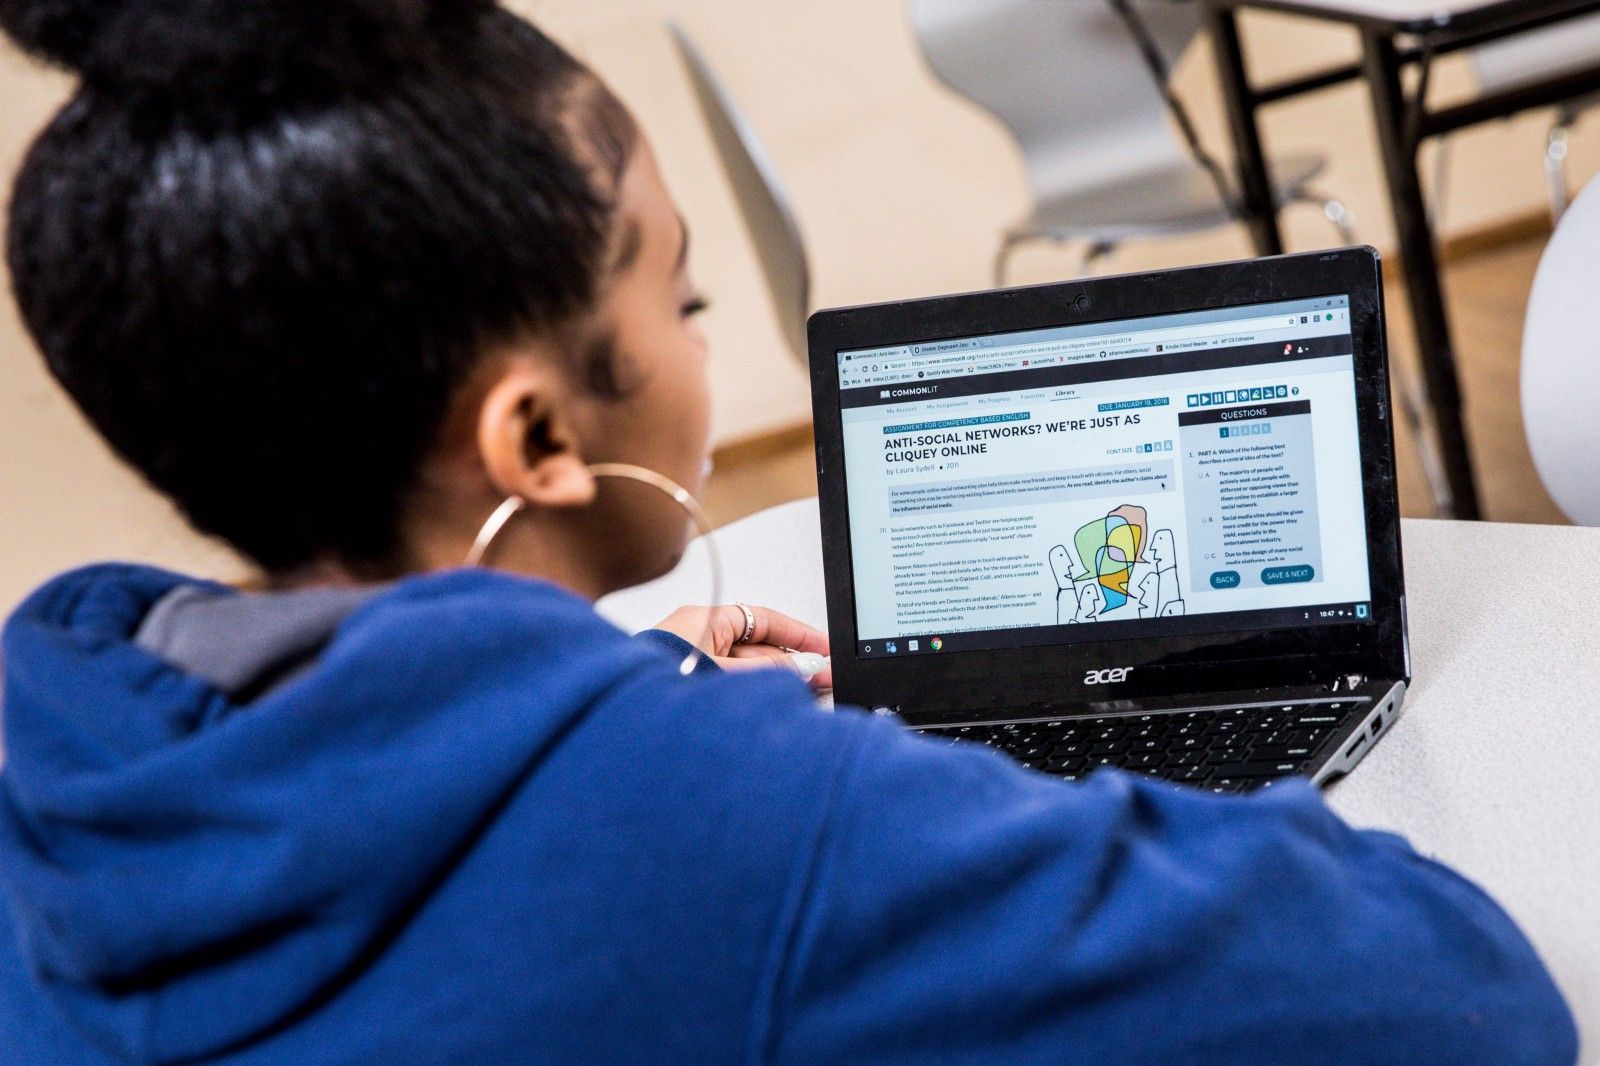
(210,815)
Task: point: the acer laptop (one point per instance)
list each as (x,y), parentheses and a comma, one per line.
(1146,521)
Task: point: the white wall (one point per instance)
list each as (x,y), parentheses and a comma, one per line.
(64,499)
(901,190)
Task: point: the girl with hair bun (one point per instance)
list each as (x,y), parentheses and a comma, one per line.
(372,289)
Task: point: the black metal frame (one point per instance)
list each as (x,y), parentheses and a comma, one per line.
(1403,123)
(932,688)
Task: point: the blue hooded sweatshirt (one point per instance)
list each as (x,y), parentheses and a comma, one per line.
(478,824)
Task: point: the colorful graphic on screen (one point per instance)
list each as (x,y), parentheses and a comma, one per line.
(1130,569)
(1110,547)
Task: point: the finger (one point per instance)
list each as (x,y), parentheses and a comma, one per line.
(774,627)
(760,662)
(757,651)
(693,624)
(762,653)
(727,627)
(766,657)
(711,629)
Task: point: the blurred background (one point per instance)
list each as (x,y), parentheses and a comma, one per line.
(901,188)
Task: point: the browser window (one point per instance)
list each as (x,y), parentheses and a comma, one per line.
(1181,474)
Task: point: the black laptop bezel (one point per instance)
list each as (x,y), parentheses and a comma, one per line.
(946,686)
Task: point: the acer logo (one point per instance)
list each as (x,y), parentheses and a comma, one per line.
(1107,677)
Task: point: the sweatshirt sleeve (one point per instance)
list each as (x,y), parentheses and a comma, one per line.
(677,649)
(962,909)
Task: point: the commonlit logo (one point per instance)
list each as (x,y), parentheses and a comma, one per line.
(1107,677)
(883,394)
(925,390)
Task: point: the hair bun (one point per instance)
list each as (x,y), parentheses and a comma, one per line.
(230,46)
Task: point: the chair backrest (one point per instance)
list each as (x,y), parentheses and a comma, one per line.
(762,201)
(1561,363)
(1567,46)
(1065,77)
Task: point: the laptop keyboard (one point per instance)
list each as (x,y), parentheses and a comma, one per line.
(1224,749)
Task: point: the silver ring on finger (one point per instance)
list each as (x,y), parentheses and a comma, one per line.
(749,624)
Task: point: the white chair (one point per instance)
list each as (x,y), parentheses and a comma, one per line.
(1071,82)
(760,195)
(1507,64)
(1561,363)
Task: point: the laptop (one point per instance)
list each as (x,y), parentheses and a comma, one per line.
(1146,522)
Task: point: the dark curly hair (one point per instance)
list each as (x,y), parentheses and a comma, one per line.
(266,241)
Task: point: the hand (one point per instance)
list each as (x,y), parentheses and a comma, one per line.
(771,639)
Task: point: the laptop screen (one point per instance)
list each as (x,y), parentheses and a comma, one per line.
(1182,474)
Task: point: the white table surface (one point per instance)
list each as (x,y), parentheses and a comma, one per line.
(1493,768)
(1408,13)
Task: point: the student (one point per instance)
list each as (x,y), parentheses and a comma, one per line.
(343,277)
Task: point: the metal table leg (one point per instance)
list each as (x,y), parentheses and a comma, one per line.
(1256,195)
(1397,139)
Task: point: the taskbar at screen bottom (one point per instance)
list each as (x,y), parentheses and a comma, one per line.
(931,642)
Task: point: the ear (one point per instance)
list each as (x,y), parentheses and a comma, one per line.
(528,442)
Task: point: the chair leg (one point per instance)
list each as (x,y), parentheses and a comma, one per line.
(1414,409)
(1555,164)
(1096,251)
(1334,210)
(1437,199)
(1343,221)
(1002,258)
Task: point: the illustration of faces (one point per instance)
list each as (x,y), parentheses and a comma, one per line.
(1089,603)
(1062,565)
(1163,550)
(1172,610)
(1149,595)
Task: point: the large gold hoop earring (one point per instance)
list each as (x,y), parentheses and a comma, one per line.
(697,518)
(679,495)
(491,528)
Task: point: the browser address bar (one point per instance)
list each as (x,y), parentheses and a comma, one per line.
(1064,352)
(1206,331)
(912,360)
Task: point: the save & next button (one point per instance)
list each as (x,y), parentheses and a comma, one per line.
(1288,575)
